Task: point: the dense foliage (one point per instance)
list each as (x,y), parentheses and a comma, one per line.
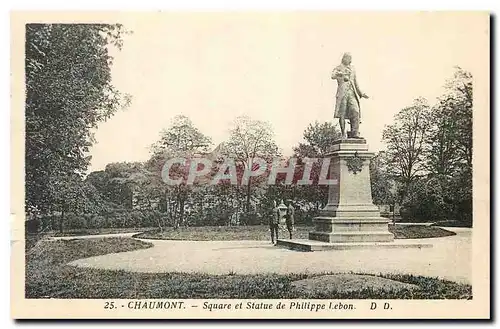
(68,92)
(426,168)
(429,156)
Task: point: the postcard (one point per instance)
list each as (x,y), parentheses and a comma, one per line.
(250,165)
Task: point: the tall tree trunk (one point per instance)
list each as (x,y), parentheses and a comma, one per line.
(175,214)
(406,189)
(238,199)
(61,220)
(166,207)
(175,210)
(181,211)
(201,208)
(247,205)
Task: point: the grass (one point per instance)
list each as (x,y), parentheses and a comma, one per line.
(418,232)
(97,231)
(46,269)
(33,238)
(453,223)
(261,233)
(221,233)
(48,276)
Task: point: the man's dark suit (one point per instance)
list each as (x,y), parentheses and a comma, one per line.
(274,224)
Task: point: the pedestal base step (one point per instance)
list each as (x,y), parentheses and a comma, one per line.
(312,245)
(351,237)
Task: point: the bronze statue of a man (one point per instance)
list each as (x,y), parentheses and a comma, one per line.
(348,96)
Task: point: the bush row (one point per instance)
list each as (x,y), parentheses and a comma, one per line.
(125,218)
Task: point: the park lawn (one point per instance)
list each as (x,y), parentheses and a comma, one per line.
(98,231)
(452,223)
(222,233)
(418,231)
(261,233)
(32,239)
(48,276)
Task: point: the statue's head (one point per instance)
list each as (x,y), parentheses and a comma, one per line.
(346,58)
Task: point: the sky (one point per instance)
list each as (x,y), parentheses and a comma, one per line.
(276,67)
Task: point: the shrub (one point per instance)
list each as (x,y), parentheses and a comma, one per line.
(453,223)
(72,220)
(251,218)
(32,226)
(98,221)
(305,216)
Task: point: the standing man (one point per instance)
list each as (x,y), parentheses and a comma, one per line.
(348,95)
(274,223)
(290,220)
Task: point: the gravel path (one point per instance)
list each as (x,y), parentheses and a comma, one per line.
(449,258)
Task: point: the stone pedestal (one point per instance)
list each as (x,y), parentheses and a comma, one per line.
(350,215)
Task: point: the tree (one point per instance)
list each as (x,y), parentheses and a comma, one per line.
(449,160)
(451,137)
(100,180)
(406,141)
(181,139)
(460,97)
(72,195)
(121,180)
(382,184)
(430,154)
(68,93)
(318,139)
(250,139)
